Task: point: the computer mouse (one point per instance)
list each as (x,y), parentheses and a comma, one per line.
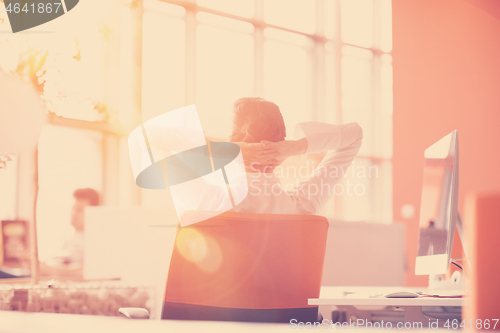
(402,294)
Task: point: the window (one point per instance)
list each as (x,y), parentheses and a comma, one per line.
(324,60)
(163,64)
(224,50)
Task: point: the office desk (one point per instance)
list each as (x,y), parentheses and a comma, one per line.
(353,297)
(21,322)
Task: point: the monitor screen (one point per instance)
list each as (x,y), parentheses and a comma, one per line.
(438,209)
(435,207)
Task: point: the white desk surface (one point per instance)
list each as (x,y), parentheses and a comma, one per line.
(358,296)
(21,322)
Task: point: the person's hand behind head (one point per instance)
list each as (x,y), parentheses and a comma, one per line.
(267,155)
(284,149)
(257,156)
(255,152)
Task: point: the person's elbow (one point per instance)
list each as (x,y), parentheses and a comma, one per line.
(358,129)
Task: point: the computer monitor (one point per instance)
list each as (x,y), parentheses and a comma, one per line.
(438,208)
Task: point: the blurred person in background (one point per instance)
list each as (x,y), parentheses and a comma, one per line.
(68,261)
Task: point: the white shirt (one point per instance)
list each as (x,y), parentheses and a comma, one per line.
(265,192)
(267,196)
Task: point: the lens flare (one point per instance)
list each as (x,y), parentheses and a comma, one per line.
(199,249)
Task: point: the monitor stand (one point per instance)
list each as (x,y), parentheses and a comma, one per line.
(456,285)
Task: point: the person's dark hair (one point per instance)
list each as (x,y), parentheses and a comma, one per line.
(255,119)
(87,194)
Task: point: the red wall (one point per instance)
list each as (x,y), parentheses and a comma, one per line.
(446,76)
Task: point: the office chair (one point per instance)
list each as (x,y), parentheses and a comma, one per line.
(245,267)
